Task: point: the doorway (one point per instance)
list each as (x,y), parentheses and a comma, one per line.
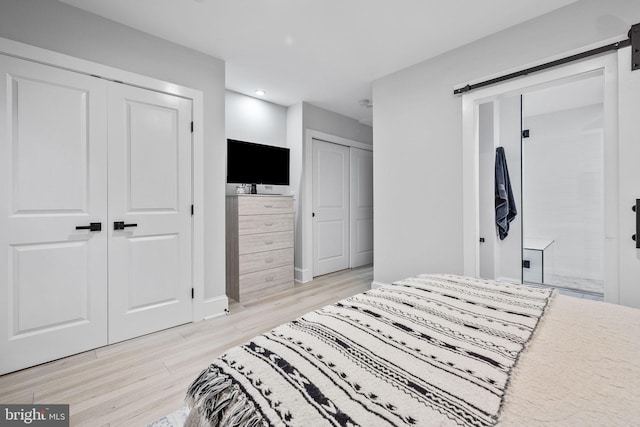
(618,274)
(552,137)
(342,206)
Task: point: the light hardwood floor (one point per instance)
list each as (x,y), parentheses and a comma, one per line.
(138,381)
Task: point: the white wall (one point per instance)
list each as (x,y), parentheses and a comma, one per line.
(499,126)
(56,26)
(418,132)
(563,179)
(509,250)
(301,118)
(295,141)
(486,191)
(255,120)
(326,121)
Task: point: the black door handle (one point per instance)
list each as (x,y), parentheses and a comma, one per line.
(120,225)
(93,226)
(636,209)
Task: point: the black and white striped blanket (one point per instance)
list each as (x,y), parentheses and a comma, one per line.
(428,350)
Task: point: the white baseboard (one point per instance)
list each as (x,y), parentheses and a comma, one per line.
(215,307)
(509,279)
(376,284)
(302,276)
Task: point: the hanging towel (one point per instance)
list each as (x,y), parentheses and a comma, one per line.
(505,205)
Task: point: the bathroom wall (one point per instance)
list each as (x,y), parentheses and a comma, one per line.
(563,187)
(499,126)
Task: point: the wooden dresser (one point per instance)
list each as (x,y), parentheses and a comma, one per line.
(259,234)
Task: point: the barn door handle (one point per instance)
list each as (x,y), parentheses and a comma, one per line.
(120,225)
(93,226)
(636,209)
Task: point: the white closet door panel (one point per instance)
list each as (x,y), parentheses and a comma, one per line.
(153,146)
(149,186)
(331,207)
(53,161)
(49,177)
(361,207)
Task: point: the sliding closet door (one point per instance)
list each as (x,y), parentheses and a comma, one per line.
(330,207)
(149,211)
(361,207)
(53,161)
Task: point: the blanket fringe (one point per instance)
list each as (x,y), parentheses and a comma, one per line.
(220,402)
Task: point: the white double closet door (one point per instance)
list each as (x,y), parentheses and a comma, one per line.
(79,151)
(342,198)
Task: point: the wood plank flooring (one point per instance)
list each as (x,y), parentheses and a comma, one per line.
(138,381)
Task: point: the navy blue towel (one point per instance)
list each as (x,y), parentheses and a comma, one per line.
(505,205)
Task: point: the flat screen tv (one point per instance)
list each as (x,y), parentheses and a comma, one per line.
(250,163)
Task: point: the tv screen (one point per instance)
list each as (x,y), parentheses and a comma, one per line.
(249,163)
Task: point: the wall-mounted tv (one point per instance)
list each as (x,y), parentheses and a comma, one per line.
(250,163)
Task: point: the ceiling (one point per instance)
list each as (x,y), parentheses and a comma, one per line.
(325,52)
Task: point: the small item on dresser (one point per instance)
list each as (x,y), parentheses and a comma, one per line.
(239,189)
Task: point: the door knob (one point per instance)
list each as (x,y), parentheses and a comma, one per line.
(93,226)
(120,225)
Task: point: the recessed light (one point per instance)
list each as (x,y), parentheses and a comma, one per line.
(260,92)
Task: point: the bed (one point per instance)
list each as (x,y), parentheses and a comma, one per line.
(433,350)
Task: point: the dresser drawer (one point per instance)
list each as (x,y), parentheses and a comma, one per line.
(264,279)
(250,243)
(264,260)
(252,224)
(264,205)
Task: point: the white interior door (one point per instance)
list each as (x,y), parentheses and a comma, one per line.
(628,179)
(361,207)
(150,194)
(330,207)
(53,160)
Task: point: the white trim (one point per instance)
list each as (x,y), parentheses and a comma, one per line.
(306,196)
(77,65)
(322,136)
(608,65)
(215,307)
(375,284)
(302,276)
(70,63)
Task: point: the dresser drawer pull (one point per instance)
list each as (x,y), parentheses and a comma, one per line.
(268,242)
(269,278)
(268,206)
(268,224)
(268,260)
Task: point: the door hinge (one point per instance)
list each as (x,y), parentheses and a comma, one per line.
(525,133)
(193,293)
(191,210)
(191,127)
